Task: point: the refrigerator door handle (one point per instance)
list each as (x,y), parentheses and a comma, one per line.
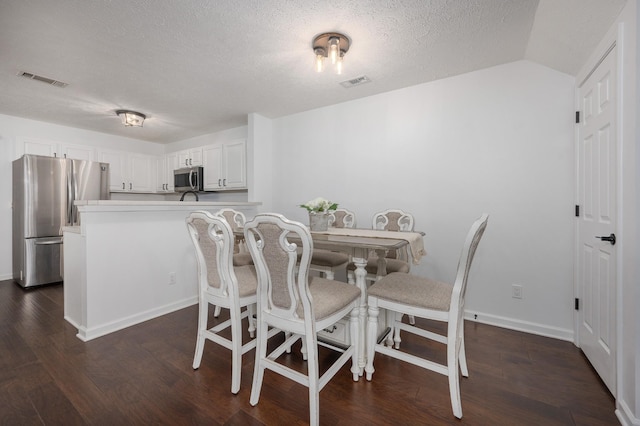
(48,243)
(74,193)
(70,198)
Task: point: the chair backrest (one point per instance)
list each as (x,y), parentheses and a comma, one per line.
(464,264)
(283,290)
(213,241)
(342,218)
(235,218)
(393,220)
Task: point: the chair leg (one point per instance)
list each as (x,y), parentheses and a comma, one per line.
(303,349)
(412,320)
(391,323)
(252,320)
(258,370)
(454,381)
(236,348)
(372,337)
(396,334)
(286,336)
(462,356)
(354,324)
(203,312)
(216,311)
(314,386)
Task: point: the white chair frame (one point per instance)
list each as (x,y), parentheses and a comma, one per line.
(344,219)
(226,295)
(453,316)
(236,219)
(285,315)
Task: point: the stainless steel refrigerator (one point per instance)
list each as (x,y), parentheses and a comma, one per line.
(44,191)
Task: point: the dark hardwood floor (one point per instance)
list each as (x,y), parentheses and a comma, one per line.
(143,375)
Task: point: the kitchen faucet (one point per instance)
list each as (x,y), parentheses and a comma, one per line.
(189,192)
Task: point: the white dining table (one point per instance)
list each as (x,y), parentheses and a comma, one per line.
(359,243)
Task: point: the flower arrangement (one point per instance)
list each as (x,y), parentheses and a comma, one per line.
(319,205)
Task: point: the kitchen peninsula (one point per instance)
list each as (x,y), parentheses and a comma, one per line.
(130,261)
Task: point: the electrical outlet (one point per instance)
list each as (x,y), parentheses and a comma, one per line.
(172,278)
(516,291)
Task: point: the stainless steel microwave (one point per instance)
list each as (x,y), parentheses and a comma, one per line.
(188,179)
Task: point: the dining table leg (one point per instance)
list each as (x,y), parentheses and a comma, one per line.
(360,261)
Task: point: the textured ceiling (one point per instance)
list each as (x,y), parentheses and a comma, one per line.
(200,66)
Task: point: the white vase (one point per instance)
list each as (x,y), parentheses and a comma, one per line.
(318,221)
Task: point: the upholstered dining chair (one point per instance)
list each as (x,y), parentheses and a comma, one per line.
(236,219)
(222,285)
(430,299)
(328,262)
(387,220)
(297,304)
(241,256)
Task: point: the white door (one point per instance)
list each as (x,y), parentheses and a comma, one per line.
(596,259)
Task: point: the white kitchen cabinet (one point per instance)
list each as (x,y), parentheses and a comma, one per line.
(130,172)
(165,167)
(55,149)
(190,157)
(225,166)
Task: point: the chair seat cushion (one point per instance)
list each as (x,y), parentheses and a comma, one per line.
(393,265)
(330,296)
(242,259)
(247,280)
(413,290)
(322,257)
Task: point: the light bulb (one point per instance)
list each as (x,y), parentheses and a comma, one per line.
(339,63)
(319,59)
(319,62)
(334,49)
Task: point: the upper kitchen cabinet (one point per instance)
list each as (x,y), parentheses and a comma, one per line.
(225,166)
(130,172)
(165,167)
(55,149)
(190,157)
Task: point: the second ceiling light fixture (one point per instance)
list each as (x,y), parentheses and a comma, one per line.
(332,46)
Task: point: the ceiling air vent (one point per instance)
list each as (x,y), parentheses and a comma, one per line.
(356,81)
(42,79)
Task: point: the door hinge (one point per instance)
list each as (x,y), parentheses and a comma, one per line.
(577,304)
(577,117)
(577,210)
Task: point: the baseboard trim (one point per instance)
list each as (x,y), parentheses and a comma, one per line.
(519,325)
(624,414)
(89,333)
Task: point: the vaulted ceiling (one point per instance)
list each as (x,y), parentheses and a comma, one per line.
(200,66)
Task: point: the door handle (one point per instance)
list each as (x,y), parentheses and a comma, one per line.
(611,238)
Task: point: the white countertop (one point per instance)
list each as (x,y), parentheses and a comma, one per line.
(125,205)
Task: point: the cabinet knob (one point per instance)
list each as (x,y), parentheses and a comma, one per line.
(224,182)
(219,182)
(130,186)
(122,185)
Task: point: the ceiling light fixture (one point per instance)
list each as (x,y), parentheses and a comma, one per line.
(131,118)
(332,46)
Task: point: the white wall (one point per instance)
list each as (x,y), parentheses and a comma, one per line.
(208,139)
(13,131)
(498,140)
